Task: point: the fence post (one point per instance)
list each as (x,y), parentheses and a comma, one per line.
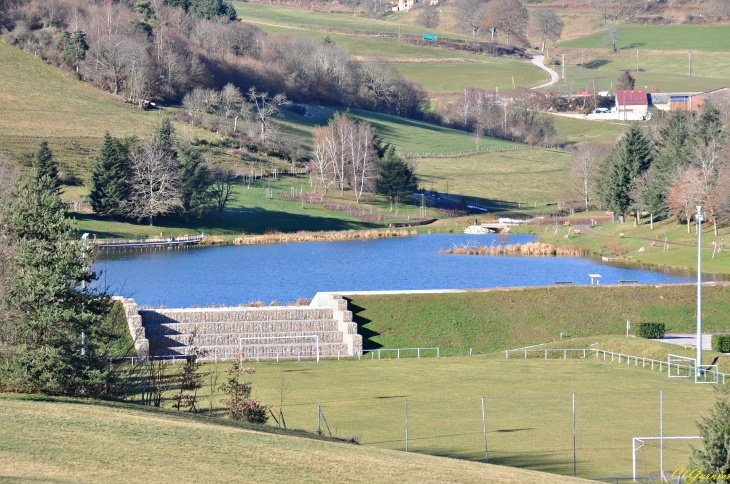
(438,352)
(575,465)
(418,351)
(484,425)
(378,353)
(399,353)
(406,425)
(565,354)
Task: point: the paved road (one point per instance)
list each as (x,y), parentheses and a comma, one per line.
(687,340)
(538,60)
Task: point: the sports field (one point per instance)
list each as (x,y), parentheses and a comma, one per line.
(528,408)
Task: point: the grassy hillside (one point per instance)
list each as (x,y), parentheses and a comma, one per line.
(525,176)
(408,135)
(712,38)
(67,441)
(453,77)
(494,320)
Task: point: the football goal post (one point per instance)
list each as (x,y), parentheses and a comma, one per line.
(680,366)
(638,443)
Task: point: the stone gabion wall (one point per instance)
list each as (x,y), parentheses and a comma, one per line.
(214,332)
(136,328)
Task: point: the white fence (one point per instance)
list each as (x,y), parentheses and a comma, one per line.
(706,373)
(398,351)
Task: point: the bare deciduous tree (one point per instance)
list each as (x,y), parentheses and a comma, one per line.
(547,25)
(509,16)
(429,16)
(154,182)
(222,188)
(230,100)
(265,107)
(612,37)
(583,170)
(469,14)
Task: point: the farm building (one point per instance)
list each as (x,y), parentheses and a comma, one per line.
(687,101)
(632,105)
(406,5)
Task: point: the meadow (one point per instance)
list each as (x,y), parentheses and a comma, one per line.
(528,408)
(63,440)
(305,18)
(711,38)
(530,176)
(642,245)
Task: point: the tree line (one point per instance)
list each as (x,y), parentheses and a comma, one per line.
(160,51)
(682,163)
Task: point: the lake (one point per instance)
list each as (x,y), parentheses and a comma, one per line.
(284,272)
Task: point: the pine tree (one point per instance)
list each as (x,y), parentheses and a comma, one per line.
(50,295)
(46,165)
(709,123)
(396,176)
(630,157)
(715,432)
(195,181)
(75,49)
(673,150)
(626,81)
(164,134)
(108,180)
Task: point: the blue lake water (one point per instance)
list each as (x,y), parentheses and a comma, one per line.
(283,272)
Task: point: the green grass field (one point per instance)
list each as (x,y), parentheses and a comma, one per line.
(62,440)
(408,135)
(528,408)
(526,176)
(712,38)
(607,78)
(452,77)
(496,320)
(582,130)
(282,15)
(676,257)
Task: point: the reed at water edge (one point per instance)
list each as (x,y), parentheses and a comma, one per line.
(530,248)
(284,238)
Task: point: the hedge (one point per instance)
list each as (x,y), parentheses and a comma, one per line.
(721,343)
(650,330)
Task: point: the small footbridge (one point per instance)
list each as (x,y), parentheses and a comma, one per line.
(168,242)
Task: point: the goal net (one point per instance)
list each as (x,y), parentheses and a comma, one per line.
(652,456)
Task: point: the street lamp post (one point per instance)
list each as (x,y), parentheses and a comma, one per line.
(700,217)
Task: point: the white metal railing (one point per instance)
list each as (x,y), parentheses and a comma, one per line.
(398,351)
(708,371)
(291,337)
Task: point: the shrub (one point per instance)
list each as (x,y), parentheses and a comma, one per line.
(721,343)
(650,330)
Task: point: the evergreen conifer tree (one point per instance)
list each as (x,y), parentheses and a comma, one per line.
(195,181)
(630,157)
(75,49)
(714,457)
(396,176)
(108,180)
(46,165)
(50,295)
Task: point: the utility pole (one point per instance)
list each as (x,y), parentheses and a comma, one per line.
(563,66)
(700,217)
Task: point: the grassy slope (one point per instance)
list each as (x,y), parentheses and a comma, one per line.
(495,320)
(68,442)
(282,15)
(407,135)
(678,257)
(38,101)
(580,130)
(527,406)
(712,38)
(583,78)
(487,72)
(497,176)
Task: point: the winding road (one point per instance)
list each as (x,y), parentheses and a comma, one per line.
(539,61)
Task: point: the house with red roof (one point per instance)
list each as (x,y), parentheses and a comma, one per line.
(632,105)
